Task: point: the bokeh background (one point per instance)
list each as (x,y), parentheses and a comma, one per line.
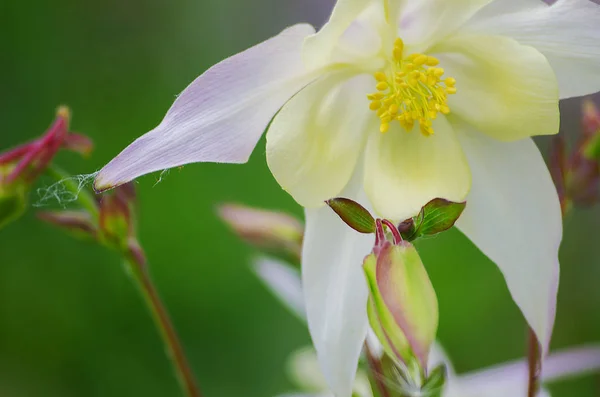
(71,323)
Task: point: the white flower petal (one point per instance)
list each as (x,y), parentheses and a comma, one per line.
(319,48)
(304,395)
(304,372)
(510,379)
(438,356)
(404,171)
(284,281)
(314,142)
(336,292)
(513,215)
(505,89)
(568,363)
(566,33)
(221,115)
(424,22)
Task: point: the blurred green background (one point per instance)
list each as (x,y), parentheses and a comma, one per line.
(71,323)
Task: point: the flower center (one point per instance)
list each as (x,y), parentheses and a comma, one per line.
(411,90)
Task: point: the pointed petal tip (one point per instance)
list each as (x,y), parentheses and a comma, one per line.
(102,184)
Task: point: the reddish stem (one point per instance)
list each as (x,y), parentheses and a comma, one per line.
(15,153)
(163,322)
(379,233)
(394,230)
(535,364)
(40,152)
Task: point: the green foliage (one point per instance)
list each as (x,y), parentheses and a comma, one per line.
(435,217)
(353,214)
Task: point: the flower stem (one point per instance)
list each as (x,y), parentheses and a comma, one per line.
(394,230)
(535,364)
(138,268)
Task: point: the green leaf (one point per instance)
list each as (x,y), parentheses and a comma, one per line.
(434,384)
(435,217)
(353,214)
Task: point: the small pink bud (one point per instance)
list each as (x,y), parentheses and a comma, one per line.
(116,216)
(78,143)
(78,223)
(402,308)
(28,161)
(272,231)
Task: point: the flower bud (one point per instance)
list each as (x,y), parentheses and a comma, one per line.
(116,217)
(22,165)
(77,223)
(274,232)
(402,308)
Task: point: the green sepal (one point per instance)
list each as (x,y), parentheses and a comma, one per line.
(353,214)
(436,379)
(436,216)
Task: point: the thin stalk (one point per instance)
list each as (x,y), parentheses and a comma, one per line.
(141,277)
(534,364)
(394,230)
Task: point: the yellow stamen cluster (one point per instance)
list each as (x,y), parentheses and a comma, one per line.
(412,90)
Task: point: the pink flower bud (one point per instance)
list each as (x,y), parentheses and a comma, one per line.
(271,231)
(403,308)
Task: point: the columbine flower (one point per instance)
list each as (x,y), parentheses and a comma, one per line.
(412,100)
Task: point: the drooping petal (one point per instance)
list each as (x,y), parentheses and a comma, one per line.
(284,281)
(404,171)
(573,362)
(499,386)
(566,32)
(510,379)
(336,292)
(513,216)
(221,115)
(423,22)
(315,140)
(505,90)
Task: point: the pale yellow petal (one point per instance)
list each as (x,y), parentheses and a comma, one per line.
(403,171)
(505,89)
(424,22)
(355,34)
(566,32)
(314,142)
